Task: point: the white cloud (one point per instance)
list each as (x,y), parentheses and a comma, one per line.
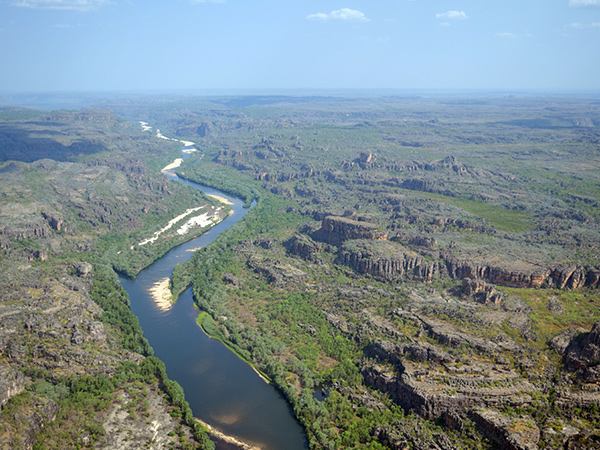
(506,35)
(64,5)
(346,14)
(452,15)
(583,26)
(584,3)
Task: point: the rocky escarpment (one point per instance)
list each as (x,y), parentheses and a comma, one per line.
(392,261)
(336,230)
(389,261)
(583,353)
(431,393)
(11,383)
(304,246)
(480,291)
(521,274)
(507,433)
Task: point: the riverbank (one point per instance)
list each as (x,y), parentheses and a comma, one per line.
(223,437)
(211,329)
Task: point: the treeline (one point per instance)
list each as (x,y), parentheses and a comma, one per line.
(210,174)
(108,293)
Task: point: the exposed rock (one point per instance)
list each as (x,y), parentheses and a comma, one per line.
(388,260)
(230,278)
(31,418)
(308,327)
(336,230)
(303,246)
(480,291)
(54,221)
(522,274)
(583,353)
(508,433)
(77,337)
(418,391)
(150,424)
(83,268)
(11,383)
(560,342)
(555,307)
(395,352)
(97,331)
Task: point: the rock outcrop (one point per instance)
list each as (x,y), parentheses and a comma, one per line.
(11,383)
(507,433)
(389,261)
(583,353)
(336,230)
(392,261)
(303,246)
(422,392)
(480,291)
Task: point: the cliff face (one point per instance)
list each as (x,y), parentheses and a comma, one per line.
(392,261)
(508,434)
(303,246)
(11,383)
(431,395)
(389,261)
(336,230)
(583,354)
(524,275)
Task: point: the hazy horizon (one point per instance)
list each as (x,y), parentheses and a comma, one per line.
(225,45)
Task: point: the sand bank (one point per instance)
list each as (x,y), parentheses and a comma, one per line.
(221,199)
(174,165)
(169,225)
(229,439)
(161,294)
(202,221)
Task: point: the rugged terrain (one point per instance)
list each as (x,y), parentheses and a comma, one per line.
(417,273)
(437,256)
(66,332)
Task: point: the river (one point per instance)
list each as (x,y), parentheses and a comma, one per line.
(222,390)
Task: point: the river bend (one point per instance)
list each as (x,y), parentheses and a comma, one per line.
(221,389)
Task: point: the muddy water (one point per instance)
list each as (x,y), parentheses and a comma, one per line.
(222,390)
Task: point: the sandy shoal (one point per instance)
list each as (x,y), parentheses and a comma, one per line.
(220,199)
(161,294)
(174,165)
(229,439)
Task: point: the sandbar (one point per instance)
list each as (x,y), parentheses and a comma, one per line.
(229,439)
(221,199)
(174,165)
(161,294)
(169,225)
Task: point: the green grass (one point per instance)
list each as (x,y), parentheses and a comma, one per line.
(501,218)
(581,309)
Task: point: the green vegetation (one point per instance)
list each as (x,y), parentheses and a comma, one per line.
(108,293)
(371,306)
(83,400)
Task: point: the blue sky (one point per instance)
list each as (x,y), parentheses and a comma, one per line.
(125,45)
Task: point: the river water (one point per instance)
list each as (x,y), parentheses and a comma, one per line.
(221,389)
